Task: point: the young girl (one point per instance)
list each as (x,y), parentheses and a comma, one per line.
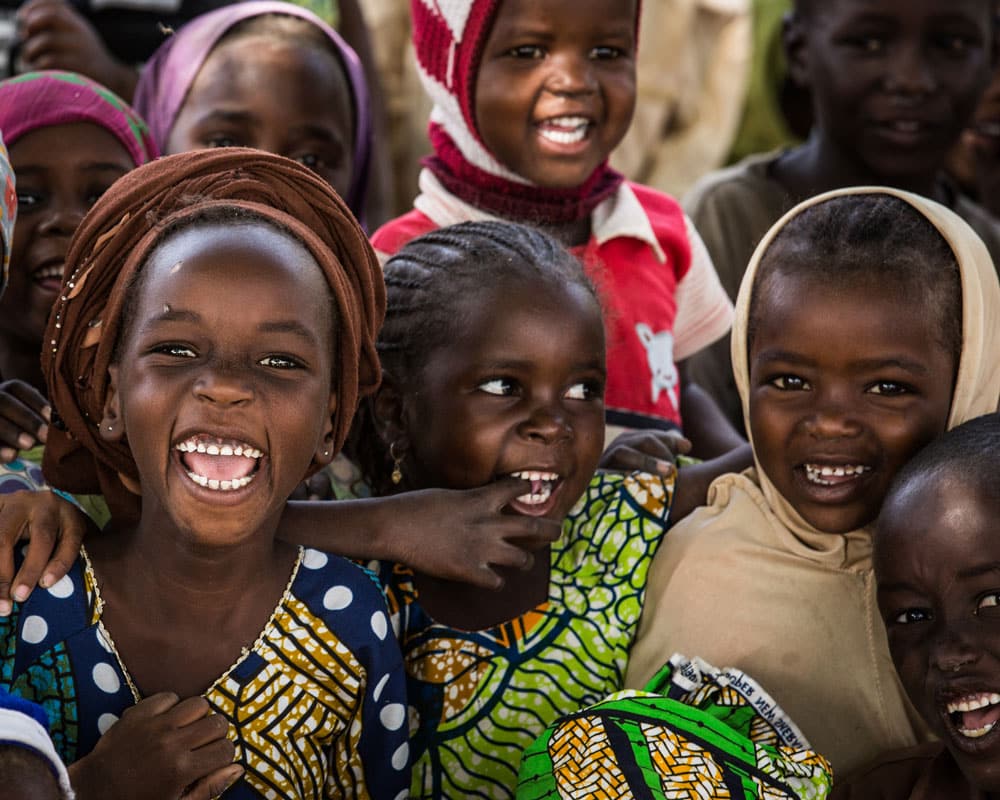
(530,99)
(493,365)
(893,86)
(69,140)
(268,75)
(207,352)
(865,327)
(936,556)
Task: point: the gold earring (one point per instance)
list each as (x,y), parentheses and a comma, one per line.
(397,473)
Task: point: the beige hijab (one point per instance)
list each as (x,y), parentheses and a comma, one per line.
(746,582)
(977,388)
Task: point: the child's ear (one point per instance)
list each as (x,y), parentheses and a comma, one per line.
(389,413)
(794,38)
(112,425)
(325,453)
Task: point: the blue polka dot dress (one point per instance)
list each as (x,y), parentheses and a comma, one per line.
(317,706)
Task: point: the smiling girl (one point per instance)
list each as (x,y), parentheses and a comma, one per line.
(206,354)
(865,328)
(493,366)
(530,99)
(69,140)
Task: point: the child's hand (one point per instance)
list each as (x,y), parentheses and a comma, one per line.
(652,451)
(161,748)
(51,524)
(54,35)
(462,535)
(24,418)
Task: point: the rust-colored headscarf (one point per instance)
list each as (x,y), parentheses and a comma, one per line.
(116,239)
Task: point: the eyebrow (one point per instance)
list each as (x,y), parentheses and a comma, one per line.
(291,326)
(971,572)
(867,365)
(92,166)
(516,364)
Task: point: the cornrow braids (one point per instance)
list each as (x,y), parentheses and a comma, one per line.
(428,285)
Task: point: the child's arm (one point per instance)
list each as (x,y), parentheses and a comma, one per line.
(24,418)
(161,747)
(460,535)
(711,434)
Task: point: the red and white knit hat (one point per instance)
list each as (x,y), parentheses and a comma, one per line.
(449,36)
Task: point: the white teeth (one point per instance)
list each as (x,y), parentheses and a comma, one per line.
(221,486)
(978,732)
(536,476)
(816,473)
(536,499)
(238,450)
(225,450)
(906,125)
(212,450)
(974,703)
(563,137)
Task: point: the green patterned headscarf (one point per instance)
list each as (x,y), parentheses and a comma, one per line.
(694,732)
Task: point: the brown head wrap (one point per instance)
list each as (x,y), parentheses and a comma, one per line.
(115,240)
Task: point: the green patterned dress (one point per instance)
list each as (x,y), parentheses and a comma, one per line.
(478,699)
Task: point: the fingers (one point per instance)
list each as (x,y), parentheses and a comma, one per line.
(22,425)
(11,526)
(215,784)
(499,493)
(73,525)
(627,459)
(42,526)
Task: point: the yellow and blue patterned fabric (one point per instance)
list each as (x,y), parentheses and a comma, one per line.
(694,733)
(317,706)
(479,698)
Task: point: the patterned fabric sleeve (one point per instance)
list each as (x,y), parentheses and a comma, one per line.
(384,742)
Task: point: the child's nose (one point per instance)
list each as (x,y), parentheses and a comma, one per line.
(910,72)
(546,423)
(223,385)
(571,73)
(952,649)
(833,418)
(63,218)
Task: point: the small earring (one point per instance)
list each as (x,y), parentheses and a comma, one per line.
(397,473)
(110,428)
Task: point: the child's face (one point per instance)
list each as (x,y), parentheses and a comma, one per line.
(56,186)
(229,350)
(521,391)
(257,92)
(938,568)
(844,389)
(894,82)
(556,86)
(24,775)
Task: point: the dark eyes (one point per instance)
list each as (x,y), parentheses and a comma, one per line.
(184,351)
(537,52)
(912,615)
(221,140)
(889,388)
(790,383)
(505,387)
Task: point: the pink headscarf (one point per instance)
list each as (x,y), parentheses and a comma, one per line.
(167,77)
(40,99)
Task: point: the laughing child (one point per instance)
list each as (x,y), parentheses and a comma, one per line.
(894,83)
(493,365)
(207,352)
(69,140)
(866,327)
(937,561)
(530,98)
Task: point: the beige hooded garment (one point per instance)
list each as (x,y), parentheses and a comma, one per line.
(746,582)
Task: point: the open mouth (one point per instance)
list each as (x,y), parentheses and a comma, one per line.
(564,130)
(542,486)
(827,475)
(49,276)
(222,465)
(974,716)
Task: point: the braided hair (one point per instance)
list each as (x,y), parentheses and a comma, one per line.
(428,285)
